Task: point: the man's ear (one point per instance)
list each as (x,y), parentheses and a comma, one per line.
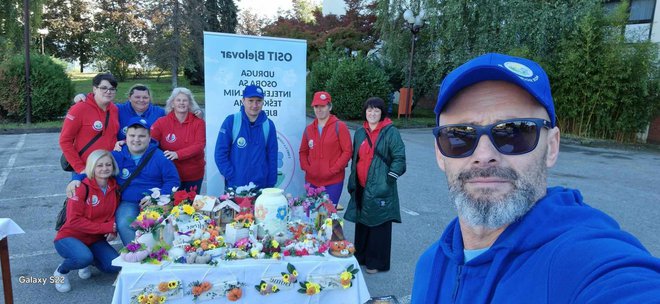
(439,158)
(552,152)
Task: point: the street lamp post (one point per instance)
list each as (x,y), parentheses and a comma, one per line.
(414,23)
(42,32)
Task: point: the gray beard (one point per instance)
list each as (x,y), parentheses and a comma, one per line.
(492,213)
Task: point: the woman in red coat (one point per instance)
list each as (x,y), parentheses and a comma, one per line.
(182,137)
(325,148)
(90,222)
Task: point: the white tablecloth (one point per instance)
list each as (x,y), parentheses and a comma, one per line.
(136,277)
(8,227)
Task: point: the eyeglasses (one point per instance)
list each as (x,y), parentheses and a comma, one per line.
(107,89)
(510,137)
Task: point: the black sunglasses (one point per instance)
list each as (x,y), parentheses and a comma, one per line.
(510,137)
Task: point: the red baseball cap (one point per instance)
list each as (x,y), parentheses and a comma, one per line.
(321,98)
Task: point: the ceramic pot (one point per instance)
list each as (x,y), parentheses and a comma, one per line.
(271,210)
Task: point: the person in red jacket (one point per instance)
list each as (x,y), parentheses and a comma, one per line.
(325,148)
(182,137)
(90,222)
(97,114)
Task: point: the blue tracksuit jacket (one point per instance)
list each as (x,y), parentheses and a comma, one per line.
(250,158)
(126,112)
(561,251)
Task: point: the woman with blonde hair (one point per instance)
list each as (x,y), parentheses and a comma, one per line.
(182,137)
(90,222)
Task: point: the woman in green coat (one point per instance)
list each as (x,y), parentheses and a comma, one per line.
(379,158)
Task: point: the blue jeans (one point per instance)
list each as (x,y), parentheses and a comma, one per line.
(77,255)
(333,191)
(189,184)
(124,215)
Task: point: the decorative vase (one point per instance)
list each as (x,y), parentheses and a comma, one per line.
(147,239)
(272,211)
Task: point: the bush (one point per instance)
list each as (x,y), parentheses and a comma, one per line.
(322,69)
(355,80)
(51,87)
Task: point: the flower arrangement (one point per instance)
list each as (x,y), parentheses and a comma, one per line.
(150,298)
(265,289)
(309,288)
(211,239)
(179,197)
(182,209)
(244,220)
(158,254)
(148,220)
(155,197)
(134,252)
(168,285)
(271,247)
(291,276)
(198,288)
(347,276)
(234,292)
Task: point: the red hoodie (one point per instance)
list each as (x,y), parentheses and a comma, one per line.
(366,152)
(83,121)
(324,156)
(89,220)
(187,139)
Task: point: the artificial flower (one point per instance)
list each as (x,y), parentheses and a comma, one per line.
(188,209)
(173,284)
(285,278)
(276,255)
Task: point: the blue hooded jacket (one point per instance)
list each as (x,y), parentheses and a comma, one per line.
(126,112)
(561,251)
(159,172)
(250,158)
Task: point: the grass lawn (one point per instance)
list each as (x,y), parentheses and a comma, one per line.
(160,90)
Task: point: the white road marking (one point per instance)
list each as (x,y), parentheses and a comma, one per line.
(36,166)
(31,254)
(31,197)
(10,163)
(406,210)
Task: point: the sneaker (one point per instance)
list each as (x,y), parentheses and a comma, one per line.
(61,281)
(85,273)
(371,271)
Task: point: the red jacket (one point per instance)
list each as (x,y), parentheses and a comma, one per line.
(89,220)
(83,121)
(324,156)
(366,151)
(187,139)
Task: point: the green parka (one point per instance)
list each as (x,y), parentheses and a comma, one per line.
(380,196)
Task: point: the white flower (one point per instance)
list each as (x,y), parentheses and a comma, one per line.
(155,193)
(174,189)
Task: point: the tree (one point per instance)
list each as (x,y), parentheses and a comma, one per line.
(11,29)
(70,25)
(251,23)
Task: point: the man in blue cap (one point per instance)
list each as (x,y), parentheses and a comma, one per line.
(157,172)
(246,149)
(515,240)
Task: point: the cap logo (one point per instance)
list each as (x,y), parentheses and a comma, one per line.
(519,69)
(97,126)
(123,130)
(323,97)
(143,121)
(170,138)
(241,142)
(260,90)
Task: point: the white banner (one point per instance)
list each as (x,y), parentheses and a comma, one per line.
(278,65)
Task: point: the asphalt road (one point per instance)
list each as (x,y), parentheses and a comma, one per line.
(622,183)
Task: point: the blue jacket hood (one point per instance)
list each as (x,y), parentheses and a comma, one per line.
(561,251)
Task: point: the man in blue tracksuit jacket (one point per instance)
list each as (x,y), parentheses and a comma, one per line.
(158,172)
(515,240)
(246,150)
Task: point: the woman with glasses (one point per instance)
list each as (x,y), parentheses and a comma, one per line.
(379,158)
(97,114)
(182,137)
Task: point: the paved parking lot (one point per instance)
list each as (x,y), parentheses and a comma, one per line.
(622,183)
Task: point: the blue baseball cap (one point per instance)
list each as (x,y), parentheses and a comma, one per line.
(522,72)
(138,121)
(253,91)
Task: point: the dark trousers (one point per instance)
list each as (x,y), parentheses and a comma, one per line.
(373,245)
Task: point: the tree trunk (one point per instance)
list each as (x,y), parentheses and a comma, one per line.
(176,44)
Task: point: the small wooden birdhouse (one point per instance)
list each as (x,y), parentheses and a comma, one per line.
(226,211)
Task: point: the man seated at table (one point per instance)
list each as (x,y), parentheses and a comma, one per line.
(157,172)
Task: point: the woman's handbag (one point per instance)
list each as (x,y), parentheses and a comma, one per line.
(61,216)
